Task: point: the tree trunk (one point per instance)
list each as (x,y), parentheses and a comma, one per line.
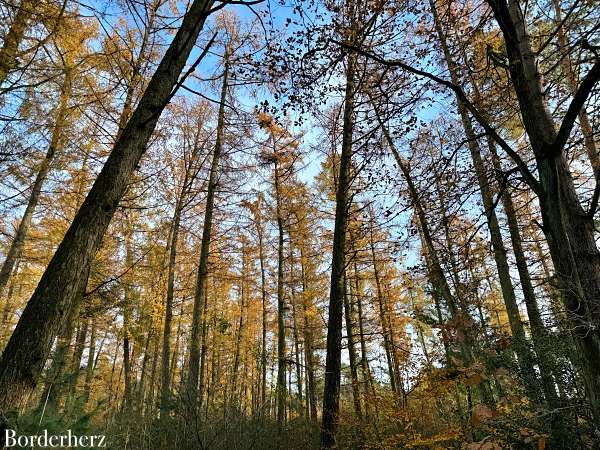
(191,388)
(381,309)
(13,38)
(539,334)
(89,372)
(331,394)
(165,387)
(55,296)
(311,393)
(281,347)
(352,351)
(263,293)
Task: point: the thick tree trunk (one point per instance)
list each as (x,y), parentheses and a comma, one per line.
(333,362)
(55,295)
(191,388)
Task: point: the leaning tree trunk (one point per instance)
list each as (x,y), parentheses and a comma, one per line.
(55,296)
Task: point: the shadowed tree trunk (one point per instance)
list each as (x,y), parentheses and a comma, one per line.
(56,292)
(191,388)
(333,362)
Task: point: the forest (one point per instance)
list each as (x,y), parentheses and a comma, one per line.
(300,224)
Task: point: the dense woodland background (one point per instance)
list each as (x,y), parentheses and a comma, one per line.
(301,224)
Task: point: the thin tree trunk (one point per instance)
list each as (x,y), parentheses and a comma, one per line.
(89,372)
(380,303)
(281,347)
(16,246)
(191,388)
(364,359)
(308,341)
(165,390)
(352,351)
(263,293)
